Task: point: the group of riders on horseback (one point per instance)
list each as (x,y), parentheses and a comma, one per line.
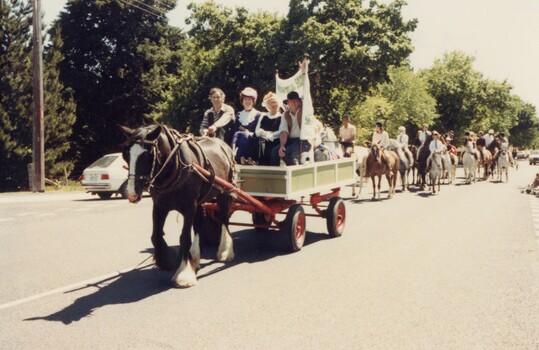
(432,149)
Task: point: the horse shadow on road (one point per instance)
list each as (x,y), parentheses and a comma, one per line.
(123,288)
(146,281)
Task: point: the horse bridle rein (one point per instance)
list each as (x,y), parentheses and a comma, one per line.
(177,139)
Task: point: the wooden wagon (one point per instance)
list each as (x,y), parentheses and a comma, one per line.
(268,191)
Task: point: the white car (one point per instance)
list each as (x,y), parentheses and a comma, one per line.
(106,176)
(534,157)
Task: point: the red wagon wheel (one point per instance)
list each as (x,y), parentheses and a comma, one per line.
(294,226)
(336,217)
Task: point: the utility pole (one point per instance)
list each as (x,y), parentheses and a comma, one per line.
(38,142)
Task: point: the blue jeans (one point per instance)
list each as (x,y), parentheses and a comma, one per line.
(293,149)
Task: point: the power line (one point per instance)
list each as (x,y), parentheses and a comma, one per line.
(158,15)
(150,7)
(165,5)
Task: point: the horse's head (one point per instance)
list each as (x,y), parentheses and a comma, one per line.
(376,152)
(139,154)
(328,137)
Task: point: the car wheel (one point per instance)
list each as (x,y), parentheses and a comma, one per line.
(104,195)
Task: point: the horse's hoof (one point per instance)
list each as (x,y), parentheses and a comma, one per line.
(184,283)
(225,256)
(185,276)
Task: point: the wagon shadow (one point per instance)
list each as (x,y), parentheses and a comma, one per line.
(124,288)
(253,247)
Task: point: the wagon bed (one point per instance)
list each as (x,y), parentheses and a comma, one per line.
(293,182)
(266,191)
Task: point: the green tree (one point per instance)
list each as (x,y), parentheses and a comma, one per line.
(230,49)
(16,107)
(525,134)
(59,110)
(456,87)
(118,62)
(15,93)
(366,114)
(352,47)
(411,101)
(466,100)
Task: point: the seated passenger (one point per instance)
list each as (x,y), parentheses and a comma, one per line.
(267,129)
(244,142)
(218,120)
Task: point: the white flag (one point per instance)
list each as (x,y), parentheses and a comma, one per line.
(299,83)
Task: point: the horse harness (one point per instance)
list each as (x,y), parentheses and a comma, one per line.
(182,165)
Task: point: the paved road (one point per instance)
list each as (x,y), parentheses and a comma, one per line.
(459,270)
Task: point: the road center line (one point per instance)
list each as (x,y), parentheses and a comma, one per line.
(27,213)
(6,219)
(72,286)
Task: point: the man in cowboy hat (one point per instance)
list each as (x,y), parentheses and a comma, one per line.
(290,145)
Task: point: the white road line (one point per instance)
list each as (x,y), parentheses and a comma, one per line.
(70,287)
(46,214)
(83,209)
(62,209)
(6,219)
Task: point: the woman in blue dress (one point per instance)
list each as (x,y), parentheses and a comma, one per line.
(245,142)
(267,129)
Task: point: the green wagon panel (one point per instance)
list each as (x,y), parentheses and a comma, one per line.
(346,171)
(326,175)
(273,182)
(302,179)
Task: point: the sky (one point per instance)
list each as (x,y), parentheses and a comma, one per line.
(502,35)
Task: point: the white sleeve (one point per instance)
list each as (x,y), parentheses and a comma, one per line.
(258,129)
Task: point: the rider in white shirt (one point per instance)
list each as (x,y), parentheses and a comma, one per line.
(436,146)
(402,138)
(381,138)
(489,137)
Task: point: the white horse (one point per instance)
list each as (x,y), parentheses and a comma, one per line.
(452,161)
(436,171)
(502,165)
(406,162)
(360,155)
(469,164)
(330,143)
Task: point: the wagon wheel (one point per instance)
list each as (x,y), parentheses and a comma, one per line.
(263,220)
(294,227)
(336,217)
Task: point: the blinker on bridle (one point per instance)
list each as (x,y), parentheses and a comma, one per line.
(146,178)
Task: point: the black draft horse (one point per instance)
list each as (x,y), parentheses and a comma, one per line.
(163,160)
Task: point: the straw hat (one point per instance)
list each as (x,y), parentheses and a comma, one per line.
(270,96)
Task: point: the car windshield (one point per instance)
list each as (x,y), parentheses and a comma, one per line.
(103,162)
